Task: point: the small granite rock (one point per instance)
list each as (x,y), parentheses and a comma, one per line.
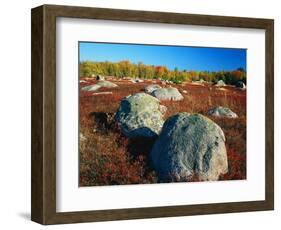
(91,88)
(171,94)
(220,83)
(222,112)
(95,87)
(241,85)
(100,77)
(150,88)
(106,84)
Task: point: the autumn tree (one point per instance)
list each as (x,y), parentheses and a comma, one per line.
(140,70)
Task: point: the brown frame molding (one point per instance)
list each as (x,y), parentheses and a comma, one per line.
(43,159)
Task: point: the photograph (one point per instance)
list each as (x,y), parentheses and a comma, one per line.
(161,114)
(139,114)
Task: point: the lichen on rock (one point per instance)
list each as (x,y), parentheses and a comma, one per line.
(189,145)
(140,115)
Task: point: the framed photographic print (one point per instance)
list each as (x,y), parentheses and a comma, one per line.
(141,114)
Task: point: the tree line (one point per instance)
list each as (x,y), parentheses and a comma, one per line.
(125,68)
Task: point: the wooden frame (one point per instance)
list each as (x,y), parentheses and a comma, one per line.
(43,208)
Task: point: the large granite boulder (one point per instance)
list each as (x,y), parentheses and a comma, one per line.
(222,112)
(189,145)
(150,88)
(164,94)
(140,115)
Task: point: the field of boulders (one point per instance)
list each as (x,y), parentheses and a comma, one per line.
(135,131)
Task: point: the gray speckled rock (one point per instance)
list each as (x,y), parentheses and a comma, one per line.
(140,115)
(91,88)
(241,85)
(222,112)
(100,77)
(220,83)
(106,84)
(95,87)
(171,94)
(150,88)
(139,80)
(189,145)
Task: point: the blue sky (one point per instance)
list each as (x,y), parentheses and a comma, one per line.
(182,57)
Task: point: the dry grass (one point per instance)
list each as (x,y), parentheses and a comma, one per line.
(107,157)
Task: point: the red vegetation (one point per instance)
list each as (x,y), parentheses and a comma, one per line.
(107,157)
(236,166)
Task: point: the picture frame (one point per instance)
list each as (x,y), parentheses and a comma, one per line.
(43,160)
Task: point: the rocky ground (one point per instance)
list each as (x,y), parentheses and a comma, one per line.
(120,137)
